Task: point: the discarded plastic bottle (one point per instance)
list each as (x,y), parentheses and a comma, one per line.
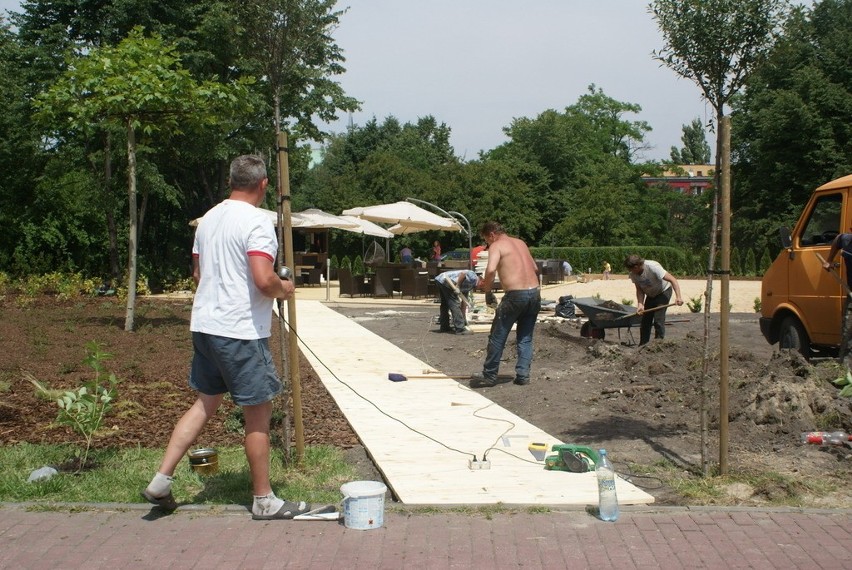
(42,474)
(607,499)
(826,438)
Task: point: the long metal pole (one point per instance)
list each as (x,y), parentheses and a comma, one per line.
(725,295)
(469,239)
(286,214)
(453,216)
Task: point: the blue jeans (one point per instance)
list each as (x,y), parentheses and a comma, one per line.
(450,310)
(521,307)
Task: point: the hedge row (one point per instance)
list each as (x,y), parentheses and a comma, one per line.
(677,261)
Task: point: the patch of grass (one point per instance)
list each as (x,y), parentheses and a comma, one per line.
(828,421)
(767,487)
(120,474)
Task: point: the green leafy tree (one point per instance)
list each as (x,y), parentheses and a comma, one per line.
(736,262)
(567,145)
(21,160)
(717,44)
(765,261)
(695,149)
(140,87)
(750,266)
(793,126)
(289,44)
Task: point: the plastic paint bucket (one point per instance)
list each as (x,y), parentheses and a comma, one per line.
(363,504)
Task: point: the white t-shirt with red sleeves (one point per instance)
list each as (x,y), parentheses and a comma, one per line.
(227,302)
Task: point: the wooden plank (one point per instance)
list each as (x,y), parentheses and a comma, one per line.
(422,434)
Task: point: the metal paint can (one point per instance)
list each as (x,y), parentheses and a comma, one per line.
(204,461)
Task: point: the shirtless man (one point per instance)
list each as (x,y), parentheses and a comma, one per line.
(510,259)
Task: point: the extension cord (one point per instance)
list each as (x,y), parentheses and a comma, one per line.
(475,465)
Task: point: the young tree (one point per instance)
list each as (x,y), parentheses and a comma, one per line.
(136,87)
(288,43)
(717,44)
(792,128)
(695,148)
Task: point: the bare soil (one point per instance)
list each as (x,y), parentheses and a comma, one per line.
(641,404)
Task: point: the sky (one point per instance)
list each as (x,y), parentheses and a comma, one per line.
(476,65)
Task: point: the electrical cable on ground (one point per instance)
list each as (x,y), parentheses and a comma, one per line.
(354,391)
(630,477)
(442,444)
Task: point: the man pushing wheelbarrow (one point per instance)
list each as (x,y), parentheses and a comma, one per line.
(654,286)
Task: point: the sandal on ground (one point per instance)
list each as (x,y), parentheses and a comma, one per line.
(166,502)
(287,511)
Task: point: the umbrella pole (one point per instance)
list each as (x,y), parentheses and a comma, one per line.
(327,279)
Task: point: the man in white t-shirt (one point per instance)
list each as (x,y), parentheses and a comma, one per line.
(654,286)
(233,265)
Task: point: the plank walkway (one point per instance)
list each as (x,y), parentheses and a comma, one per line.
(421,434)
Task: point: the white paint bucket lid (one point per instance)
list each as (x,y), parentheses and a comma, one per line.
(357,489)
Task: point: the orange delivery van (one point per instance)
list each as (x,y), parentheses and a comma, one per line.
(801,304)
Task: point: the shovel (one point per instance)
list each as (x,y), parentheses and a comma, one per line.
(646,311)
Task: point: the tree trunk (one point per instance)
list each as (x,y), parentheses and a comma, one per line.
(109,199)
(708,295)
(131,236)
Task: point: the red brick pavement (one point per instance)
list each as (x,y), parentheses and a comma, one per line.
(110,536)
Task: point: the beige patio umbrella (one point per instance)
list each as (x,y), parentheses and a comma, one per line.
(366,227)
(310,218)
(406,215)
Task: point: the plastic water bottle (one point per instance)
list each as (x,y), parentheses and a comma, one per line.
(607,499)
(826,438)
(42,474)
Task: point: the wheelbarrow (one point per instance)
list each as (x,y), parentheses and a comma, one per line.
(603,315)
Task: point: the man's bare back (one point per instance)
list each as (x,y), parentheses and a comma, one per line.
(511,260)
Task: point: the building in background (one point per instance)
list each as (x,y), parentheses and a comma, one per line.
(689,179)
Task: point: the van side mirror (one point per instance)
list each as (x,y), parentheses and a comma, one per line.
(786,238)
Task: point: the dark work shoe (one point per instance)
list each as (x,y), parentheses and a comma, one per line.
(166,502)
(521,381)
(287,511)
(482,381)
(443,330)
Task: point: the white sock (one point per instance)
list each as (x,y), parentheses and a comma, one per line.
(266,504)
(160,485)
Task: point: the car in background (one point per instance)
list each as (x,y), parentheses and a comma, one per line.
(456,255)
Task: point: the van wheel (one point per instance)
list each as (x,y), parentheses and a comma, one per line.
(792,336)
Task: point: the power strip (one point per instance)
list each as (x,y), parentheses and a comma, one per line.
(475,465)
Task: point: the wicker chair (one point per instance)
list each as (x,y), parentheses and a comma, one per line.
(383,282)
(414,283)
(350,284)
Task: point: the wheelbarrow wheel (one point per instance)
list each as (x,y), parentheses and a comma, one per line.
(588,331)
